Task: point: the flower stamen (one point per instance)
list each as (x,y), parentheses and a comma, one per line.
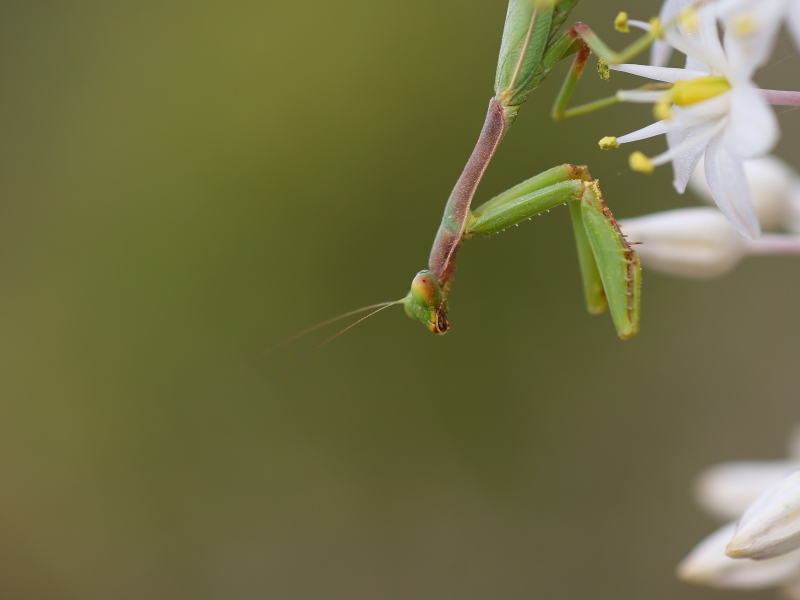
(662,110)
(621,22)
(608,143)
(698,89)
(655,27)
(603,69)
(639,162)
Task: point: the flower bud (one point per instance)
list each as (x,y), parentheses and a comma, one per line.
(689,242)
(769,181)
(708,565)
(726,490)
(771,526)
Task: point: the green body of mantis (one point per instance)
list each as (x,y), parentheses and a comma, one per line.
(610,268)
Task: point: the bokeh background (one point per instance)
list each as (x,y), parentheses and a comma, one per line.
(186,183)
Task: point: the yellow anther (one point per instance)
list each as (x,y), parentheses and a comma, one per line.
(655,27)
(602,69)
(662,110)
(689,21)
(639,162)
(744,24)
(608,142)
(621,22)
(695,90)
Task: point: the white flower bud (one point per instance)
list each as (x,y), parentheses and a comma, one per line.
(691,242)
(771,526)
(708,565)
(769,181)
(726,490)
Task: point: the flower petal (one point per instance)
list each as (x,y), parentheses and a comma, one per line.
(687,146)
(726,490)
(726,180)
(771,183)
(704,39)
(753,127)
(641,96)
(697,120)
(703,114)
(713,108)
(698,57)
(708,565)
(689,143)
(666,74)
(695,242)
(652,130)
(751,31)
(771,526)
(661,50)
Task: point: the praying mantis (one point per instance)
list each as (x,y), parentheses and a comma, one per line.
(610,269)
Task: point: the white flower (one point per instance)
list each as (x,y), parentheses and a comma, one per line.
(697,242)
(771,182)
(771,526)
(707,565)
(726,490)
(691,242)
(714,110)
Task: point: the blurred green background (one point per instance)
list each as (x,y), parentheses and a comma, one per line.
(187,183)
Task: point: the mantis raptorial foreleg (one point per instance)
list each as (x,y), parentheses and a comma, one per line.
(610,268)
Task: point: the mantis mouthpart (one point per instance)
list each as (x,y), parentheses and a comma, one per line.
(610,269)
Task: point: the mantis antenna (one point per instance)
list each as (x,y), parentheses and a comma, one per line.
(380,306)
(336,335)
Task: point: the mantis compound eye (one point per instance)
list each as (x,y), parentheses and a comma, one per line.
(424,302)
(425,289)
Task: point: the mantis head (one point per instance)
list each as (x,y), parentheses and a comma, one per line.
(424,302)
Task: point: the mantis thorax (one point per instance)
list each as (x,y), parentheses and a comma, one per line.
(425,302)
